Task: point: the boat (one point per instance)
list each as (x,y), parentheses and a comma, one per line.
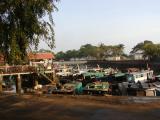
(100,88)
(73,87)
(64,72)
(92,74)
(142,76)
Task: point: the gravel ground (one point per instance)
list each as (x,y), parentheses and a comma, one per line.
(68,107)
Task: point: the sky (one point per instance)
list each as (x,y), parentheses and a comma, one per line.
(112,22)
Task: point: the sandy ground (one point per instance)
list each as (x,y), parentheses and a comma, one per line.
(66,107)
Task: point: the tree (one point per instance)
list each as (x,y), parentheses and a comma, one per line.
(148,49)
(88,50)
(60,55)
(140,46)
(22,25)
(45,51)
(71,54)
(99,52)
(151,50)
(118,50)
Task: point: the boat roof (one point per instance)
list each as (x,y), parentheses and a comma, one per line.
(145,71)
(119,74)
(158,76)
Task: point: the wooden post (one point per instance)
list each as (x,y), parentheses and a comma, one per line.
(1,79)
(36,82)
(18,85)
(53,76)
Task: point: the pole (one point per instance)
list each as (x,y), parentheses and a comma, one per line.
(19,86)
(1,79)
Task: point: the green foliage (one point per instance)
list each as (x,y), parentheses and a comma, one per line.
(71,54)
(151,50)
(45,51)
(22,25)
(99,52)
(148,48)
(140,46)
(87,50)
(60,55)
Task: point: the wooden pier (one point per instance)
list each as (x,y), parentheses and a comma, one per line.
(22,70)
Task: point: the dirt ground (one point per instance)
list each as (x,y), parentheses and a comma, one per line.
(67,107)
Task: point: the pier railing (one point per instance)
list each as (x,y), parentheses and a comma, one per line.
(17,69)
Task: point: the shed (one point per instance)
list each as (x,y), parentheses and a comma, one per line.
(40,56)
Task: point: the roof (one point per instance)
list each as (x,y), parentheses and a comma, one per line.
(40,56)
(158,76)
(119,74)
(1,58)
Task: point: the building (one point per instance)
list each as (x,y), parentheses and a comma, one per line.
(139,55)
(83,58)
(2,62)
(40,58)
(113,58)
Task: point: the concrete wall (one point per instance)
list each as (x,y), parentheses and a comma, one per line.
(142,64)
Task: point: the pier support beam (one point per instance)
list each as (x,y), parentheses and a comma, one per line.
(36,82)
(52,76)
(1,79)
(18,85)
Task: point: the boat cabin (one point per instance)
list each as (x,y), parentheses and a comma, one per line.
(142,76)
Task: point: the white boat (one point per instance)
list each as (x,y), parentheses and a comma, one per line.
(142,76)
(79,71)
(64,71)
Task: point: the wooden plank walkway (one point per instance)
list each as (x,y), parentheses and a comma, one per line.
(21,70)
(17,69)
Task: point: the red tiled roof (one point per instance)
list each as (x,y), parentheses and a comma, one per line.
(39,56)
(1,59)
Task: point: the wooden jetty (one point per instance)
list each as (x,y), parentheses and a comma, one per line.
(22,70)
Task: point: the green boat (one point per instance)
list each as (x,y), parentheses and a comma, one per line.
(92,73)
(73,87)
(97,88)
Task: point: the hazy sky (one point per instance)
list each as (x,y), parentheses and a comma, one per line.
(106,21)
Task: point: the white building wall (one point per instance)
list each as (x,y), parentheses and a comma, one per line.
(138,56)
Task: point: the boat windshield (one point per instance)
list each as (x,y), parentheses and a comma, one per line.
(130,78)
